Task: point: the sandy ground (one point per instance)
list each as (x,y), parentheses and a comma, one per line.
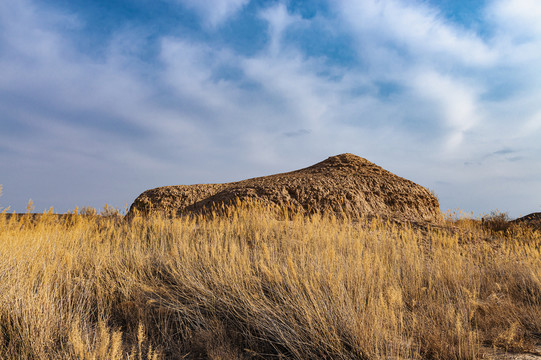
(535,354)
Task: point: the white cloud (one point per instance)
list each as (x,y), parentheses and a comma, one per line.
(517,18)
(532,125)
(288,96)
(517,33)
(417,28)
(279,20)
(293,82)
(456,100)
(29,30)
(215,12)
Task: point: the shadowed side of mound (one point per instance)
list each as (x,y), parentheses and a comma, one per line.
(532,220)
(346,185)
(170,201)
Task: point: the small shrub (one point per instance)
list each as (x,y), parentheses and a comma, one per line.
(109,211)
(87,211)
(496,221)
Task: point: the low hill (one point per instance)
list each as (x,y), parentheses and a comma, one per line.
(344,184)
(532,220)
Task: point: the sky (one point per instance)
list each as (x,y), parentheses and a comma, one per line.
(101,100)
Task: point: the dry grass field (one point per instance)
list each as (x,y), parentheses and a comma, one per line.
(246,285)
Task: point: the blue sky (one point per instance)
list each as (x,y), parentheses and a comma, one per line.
(101,100)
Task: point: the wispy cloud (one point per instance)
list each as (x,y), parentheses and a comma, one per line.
(517,19)
(457,104)
(297,133)
(412,29)
(418,94)
(278,20)
(215,12)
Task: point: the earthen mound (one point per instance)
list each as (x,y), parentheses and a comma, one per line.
(345,184)
(532,220)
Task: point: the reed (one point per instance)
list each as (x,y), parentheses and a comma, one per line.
(244,284)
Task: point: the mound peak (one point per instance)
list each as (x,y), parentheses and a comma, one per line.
(345,184)
(345,159)
(342,162)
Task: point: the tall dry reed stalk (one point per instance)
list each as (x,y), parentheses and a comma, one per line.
(245,284)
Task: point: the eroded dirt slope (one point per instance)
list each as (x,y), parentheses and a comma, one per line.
(345,184)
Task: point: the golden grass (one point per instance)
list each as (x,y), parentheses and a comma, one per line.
(248,285)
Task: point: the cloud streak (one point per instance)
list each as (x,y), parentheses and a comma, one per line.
(421,96)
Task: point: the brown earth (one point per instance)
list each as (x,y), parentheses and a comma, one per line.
(498,354)
(345,184)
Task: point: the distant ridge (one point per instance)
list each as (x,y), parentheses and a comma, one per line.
(344,184)
(532,220)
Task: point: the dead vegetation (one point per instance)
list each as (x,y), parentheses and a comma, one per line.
(246,285)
